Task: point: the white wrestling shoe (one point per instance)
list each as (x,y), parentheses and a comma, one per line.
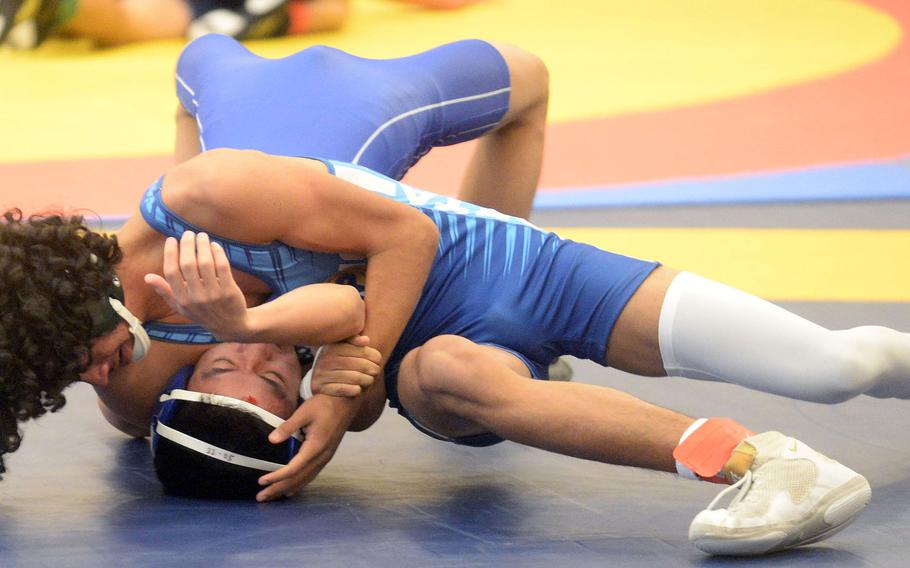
(790,495)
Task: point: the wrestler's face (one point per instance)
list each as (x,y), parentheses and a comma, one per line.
(261,373)
(108,353)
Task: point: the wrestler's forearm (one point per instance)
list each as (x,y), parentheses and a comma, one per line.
(395,280)
(317,314)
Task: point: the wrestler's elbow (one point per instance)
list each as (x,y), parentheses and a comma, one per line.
(421,233)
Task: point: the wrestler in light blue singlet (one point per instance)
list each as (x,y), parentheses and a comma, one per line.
(496,279)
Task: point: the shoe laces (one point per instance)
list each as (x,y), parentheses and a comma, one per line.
(743,485)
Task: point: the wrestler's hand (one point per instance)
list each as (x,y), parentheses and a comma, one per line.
(198,285)
(324,420)
(346,368)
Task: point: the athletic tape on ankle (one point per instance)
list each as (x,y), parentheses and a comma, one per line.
(706,449)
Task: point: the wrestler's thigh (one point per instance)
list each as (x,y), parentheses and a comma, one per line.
(441,382)
(634,345)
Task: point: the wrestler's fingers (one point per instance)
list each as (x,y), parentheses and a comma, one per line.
(286,488)
(222,267)
(347,349)
(171,270)
(345,377)
(188,266)
(205,261)
(302,469)
(291,477)
(372,355)
(367,369)
(353,362)
(344,390)
(297,422)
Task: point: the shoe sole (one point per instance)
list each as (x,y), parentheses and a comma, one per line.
(837,510)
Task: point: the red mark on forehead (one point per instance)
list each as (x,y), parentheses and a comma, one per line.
(251,399)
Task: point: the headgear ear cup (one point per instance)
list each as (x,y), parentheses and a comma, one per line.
(141,340)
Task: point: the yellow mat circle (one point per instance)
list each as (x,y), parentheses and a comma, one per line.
(606,57)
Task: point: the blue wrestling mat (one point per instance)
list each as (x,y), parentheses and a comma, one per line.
(836,183)
(79,494)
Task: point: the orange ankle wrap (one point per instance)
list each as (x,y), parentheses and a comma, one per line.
(707,449)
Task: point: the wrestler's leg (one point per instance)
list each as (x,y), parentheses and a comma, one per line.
(688,326)
(505,167)
(458,388)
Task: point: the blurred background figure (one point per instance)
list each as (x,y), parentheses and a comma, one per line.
(25,24)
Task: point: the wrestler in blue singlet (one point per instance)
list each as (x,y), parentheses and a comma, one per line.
(496,280)
(380,113)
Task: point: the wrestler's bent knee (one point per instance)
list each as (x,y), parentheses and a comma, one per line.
(443,365)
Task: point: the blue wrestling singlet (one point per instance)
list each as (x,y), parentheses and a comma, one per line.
(380,113)
(496,280)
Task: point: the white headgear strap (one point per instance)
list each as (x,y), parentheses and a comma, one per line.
(228,402)
(207,449)
(141,340)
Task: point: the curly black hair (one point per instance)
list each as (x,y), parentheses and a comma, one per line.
(52,271)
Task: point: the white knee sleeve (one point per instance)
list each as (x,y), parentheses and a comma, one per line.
(714,332)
